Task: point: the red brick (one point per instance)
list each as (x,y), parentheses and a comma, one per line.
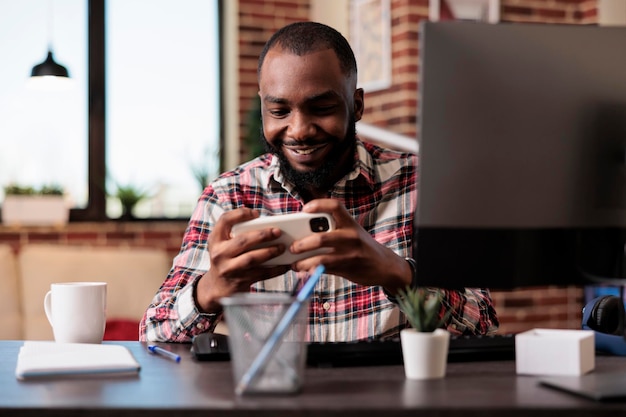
(10,237)
(37,237)
(551,13)
(525,11)
(75,237)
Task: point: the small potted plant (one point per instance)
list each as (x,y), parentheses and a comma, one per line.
(425,344)
(129,197)
(29,206)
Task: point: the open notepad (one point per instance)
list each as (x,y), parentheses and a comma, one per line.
(38,359)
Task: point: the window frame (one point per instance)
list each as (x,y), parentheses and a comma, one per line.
(95,209)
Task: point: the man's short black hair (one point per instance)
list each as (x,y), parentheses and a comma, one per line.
(304,37)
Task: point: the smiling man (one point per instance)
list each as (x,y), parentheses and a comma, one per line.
(315,163)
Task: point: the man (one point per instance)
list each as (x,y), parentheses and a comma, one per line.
(315,163)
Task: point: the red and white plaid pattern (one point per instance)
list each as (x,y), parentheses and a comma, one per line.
(381,195)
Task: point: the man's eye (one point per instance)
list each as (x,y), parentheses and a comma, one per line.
(278,112)
(324,109)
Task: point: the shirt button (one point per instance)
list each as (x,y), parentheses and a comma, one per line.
(200,326)
(326,306)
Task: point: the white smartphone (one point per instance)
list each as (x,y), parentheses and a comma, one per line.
(294,226)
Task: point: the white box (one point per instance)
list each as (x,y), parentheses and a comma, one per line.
(555,352)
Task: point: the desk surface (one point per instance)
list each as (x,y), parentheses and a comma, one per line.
(190,388)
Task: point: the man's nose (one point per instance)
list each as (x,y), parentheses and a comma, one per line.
(301,126)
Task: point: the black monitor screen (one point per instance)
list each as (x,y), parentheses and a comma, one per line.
(522,178)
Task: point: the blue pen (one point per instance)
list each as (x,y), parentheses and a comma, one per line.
(165,353)
(272,343)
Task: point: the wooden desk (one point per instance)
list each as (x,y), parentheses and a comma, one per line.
(165,389)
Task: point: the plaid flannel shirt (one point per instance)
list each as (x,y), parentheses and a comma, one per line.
(380,193)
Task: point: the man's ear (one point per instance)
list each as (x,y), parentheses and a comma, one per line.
(358,104)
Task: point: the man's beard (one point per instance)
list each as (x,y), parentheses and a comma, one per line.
(338,162)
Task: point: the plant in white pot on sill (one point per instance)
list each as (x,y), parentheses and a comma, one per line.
(27,206)
(425,344)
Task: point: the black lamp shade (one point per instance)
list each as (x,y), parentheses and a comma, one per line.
(49,67)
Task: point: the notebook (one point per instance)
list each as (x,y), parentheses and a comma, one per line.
(43,359)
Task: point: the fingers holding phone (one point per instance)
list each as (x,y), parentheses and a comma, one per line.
(293,226)
(357,255)
(226,247)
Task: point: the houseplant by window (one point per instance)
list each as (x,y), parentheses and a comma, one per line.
(129,197)
(425,344)
(29,206)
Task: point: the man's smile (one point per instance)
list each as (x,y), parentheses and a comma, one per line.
(305,153)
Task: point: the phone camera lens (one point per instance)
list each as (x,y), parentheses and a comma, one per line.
(319,224)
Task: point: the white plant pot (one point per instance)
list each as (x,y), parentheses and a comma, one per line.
(34,210)
(425,354)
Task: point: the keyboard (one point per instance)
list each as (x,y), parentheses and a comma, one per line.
(389,352)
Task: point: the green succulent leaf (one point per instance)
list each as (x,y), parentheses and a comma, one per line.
(422,307)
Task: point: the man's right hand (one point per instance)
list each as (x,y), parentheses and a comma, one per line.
(234,267)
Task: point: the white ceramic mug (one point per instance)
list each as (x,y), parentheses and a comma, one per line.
(77,311)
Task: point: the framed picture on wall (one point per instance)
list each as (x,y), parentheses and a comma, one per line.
(475,10)
(371,40)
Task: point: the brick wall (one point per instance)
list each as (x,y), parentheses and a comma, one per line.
(163,235)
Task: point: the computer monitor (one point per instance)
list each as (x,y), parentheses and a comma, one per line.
(522,178)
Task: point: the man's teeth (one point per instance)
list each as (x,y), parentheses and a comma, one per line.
(305,151)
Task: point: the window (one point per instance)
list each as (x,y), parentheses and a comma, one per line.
(146,114)
(43,133)
(162,102)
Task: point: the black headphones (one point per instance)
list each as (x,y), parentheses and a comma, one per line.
(605,314)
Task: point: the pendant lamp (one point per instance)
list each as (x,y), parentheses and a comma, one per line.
(49,67)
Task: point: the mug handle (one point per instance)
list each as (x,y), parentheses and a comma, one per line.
(47,306)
